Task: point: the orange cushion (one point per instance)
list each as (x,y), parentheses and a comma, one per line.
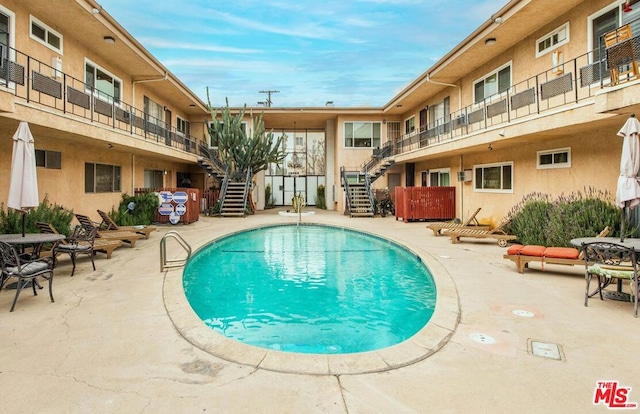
(562,252)
(533,250)
(514,249)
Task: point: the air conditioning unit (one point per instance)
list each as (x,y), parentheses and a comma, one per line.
(464,176)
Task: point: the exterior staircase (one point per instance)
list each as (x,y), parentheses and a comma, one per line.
(234,201)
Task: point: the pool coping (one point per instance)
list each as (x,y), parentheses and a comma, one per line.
(426,342)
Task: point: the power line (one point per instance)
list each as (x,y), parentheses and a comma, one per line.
(268,102)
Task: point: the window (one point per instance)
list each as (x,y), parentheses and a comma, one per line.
(439,178)
(555,158)
(362,134)
(154,111)
(49,159)
(552,40)
(153,178)
(102,84)
(494,178)
(101,178)
(42,33)
(496,82)
(410,125)
(299,141)
(183,126)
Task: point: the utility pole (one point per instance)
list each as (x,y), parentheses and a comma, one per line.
(268,101)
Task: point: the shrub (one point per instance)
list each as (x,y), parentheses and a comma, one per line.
(136,210)
(321,201)
(54,214)
(537,220)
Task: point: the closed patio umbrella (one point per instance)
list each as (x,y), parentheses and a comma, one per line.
(23,187)
(628,190)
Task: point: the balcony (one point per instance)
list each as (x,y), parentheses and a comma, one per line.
(560,88)
(40,84)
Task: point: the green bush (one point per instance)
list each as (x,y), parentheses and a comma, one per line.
(537,220)
(136,210)
(54,214)
(321,201)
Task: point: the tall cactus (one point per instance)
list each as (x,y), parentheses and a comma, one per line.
(238,149)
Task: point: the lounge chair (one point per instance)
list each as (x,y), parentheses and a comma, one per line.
(106,246)
(497,233)
(126,236)
(523,255)
(471,223)
(109,224)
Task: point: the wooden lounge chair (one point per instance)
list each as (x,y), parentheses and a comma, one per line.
(126,236)
(500,235)
(471,223)
(568,256)
(106,246)
(109,224)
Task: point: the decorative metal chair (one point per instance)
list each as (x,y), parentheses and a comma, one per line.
(81,241)
(25,270)
(607,261)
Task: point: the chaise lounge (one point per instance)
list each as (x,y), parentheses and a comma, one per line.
(568,256)
(106,246)
(125,236)
(471,223)
(498,234)
(109,224)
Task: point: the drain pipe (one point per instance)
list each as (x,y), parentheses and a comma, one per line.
(461,190)
(453,85)
(133,84)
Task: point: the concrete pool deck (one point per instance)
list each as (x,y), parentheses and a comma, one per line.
(109,343)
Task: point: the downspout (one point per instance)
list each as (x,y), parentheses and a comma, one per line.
(133,174)
(453,85)
(461,190)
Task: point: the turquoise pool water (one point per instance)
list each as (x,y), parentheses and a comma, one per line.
(310,289)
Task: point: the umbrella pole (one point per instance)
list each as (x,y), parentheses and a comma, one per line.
(622,220)
(24,225)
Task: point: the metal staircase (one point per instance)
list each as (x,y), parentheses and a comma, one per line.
(358,184)
(234,187)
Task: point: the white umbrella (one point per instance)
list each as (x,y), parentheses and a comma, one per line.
(628,190)
(23,188)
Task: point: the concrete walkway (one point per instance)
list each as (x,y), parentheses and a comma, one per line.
(109,343)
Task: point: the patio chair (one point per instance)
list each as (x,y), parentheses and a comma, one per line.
(109,224)
(80,242)
(106,246)
(125,236)
(621,54)
(24,270)
(471,223)
(607,261)
(497,233)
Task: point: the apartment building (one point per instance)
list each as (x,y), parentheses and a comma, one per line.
(106,116)
(526,103)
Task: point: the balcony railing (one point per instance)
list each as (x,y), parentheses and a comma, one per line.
(39,83)
(563,85)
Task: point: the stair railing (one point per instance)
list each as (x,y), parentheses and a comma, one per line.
(223,188)
(369,188)
(247,187)
(345,183)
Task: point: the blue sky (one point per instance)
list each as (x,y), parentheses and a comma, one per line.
(351,52)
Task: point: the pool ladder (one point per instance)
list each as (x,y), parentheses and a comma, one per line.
(172,263)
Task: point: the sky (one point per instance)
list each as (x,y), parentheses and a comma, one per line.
(351,52)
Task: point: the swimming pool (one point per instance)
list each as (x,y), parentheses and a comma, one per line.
(312,289)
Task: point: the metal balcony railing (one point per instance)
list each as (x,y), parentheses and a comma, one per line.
(39,83)
(563,85)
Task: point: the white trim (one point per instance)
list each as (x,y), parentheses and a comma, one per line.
(590,20)
(344,135)
(439,171)
(491,190)
(414,124)
(99,95)
(551,48)
(47,29)
(494,72)
(553,165)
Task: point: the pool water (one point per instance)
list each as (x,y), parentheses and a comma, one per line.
(310,289)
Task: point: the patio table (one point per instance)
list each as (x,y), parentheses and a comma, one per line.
(37,240)
(632,243)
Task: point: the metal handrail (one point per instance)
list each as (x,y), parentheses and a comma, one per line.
(173,263)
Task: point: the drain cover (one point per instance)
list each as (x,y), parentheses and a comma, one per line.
(482,338)
(545,349)
(523,313)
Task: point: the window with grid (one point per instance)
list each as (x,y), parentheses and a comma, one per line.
(496,82)
(102,84)
(495,178)
(101,178)
(555,158)
(48,159)
(362,134)
(42,33)
(553,40)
